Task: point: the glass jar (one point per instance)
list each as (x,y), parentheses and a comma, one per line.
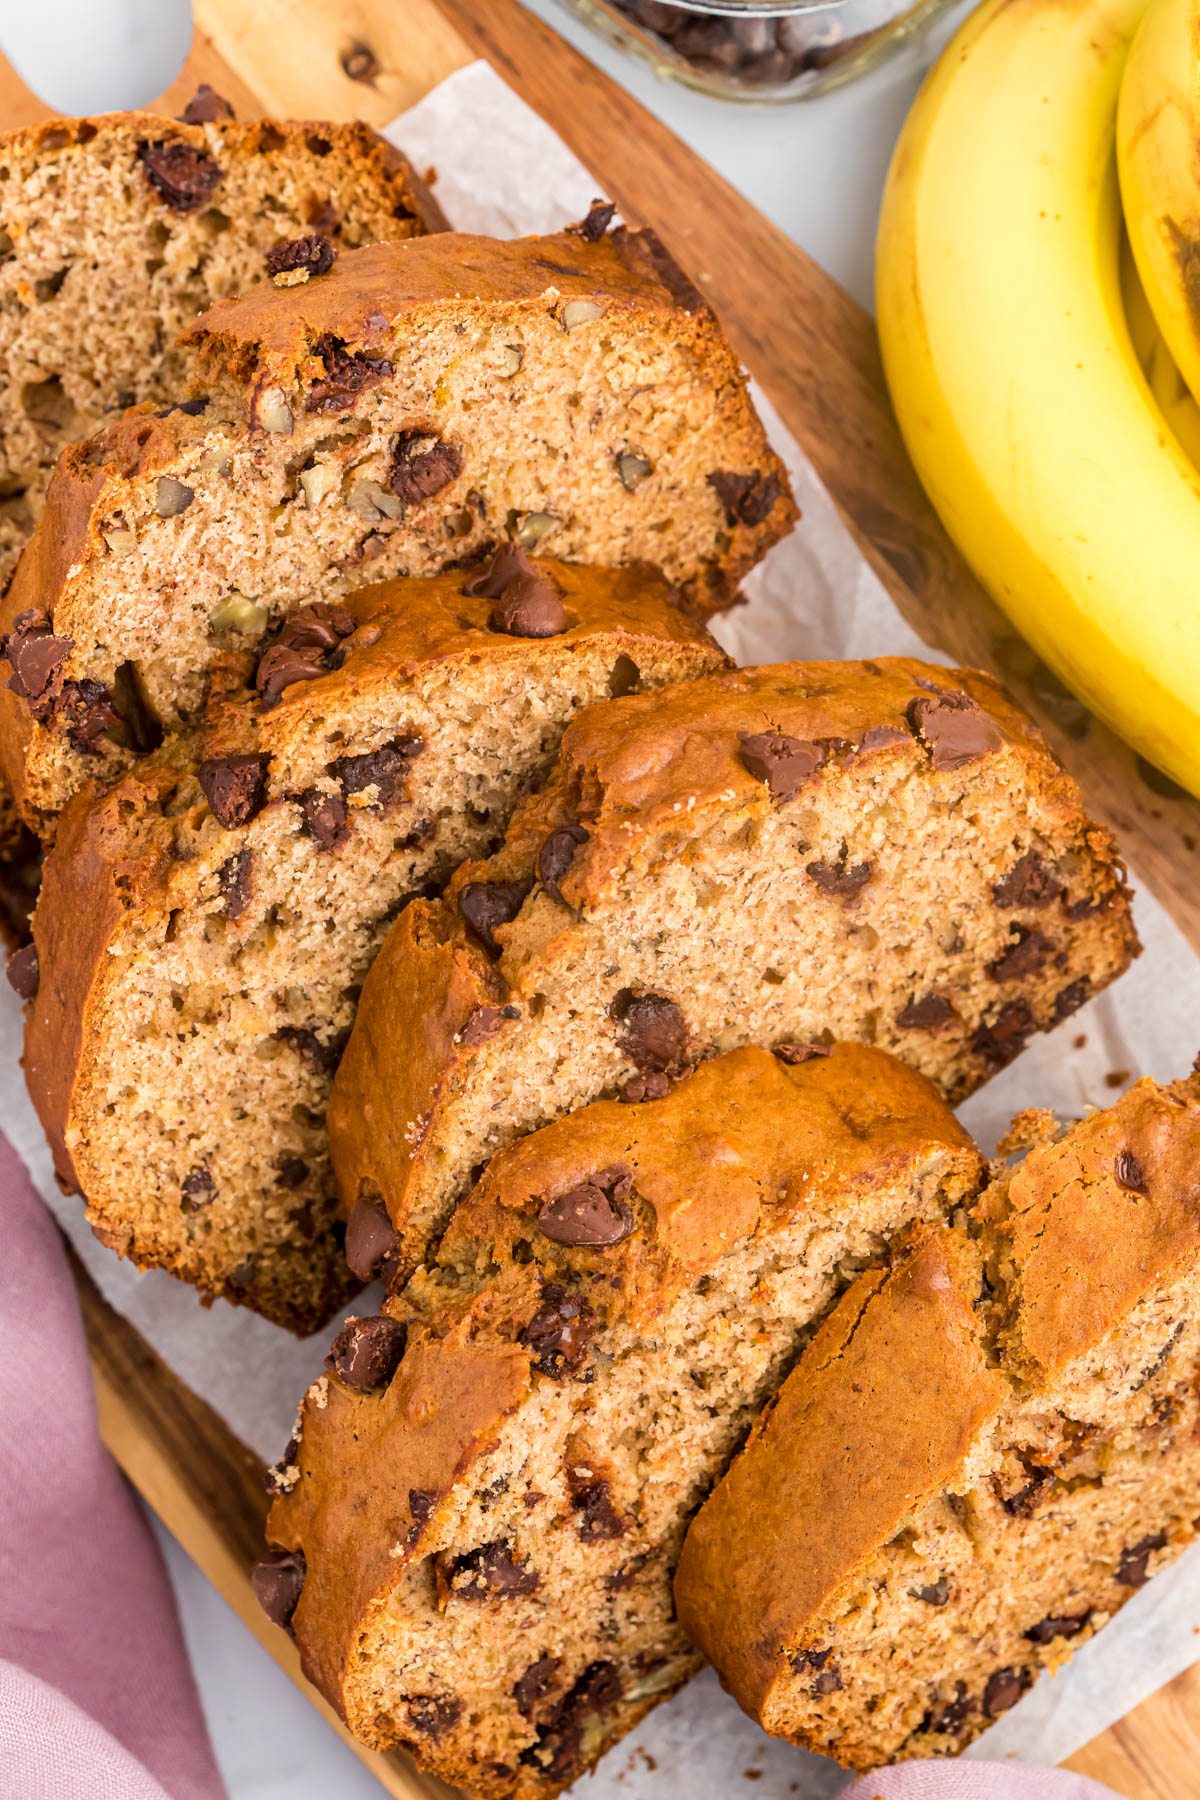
(759,49)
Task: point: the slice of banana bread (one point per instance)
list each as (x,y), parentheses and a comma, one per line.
(414,405)
(204,925)
(981,1456)
(116,231)
(883,851)
(478,1523)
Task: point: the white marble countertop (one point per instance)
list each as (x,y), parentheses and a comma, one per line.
(816,168)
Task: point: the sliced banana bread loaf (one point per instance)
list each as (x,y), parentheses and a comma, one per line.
(478,1523)
(116,231)
(414,405)
(883,851)
(981,1456)
(204,925)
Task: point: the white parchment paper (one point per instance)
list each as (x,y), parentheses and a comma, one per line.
(501,170)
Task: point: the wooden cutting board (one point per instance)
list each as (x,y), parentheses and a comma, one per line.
(814,351)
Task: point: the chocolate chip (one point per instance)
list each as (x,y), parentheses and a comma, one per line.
(937,1594)
(233,883)
(291,1172)
(86,711)
(371,1239)
(747,499)
(422,465)
(323,818)
(1069,1625)
(1132,1567)
(205,107)
(324,1055)
(278,1582)
(954,729)
(1030,885)
(421,1504)
(313,254)
(529,608)
(1129,1173)
(555,857)
(366,1352)
(803,1660)
(181,174)
(199,1186)
(535,1684)
(839,881)
(1024,956)
(503,568)
(784,763)
(799,1053)
(623,1578)
(599,217)
(654,1030)
(433,1714)
(35,654)
(280,666)
(347,374)
(382,769)
(560,1332)
(881,737)
(829,1681)
(278,1479)
(1004,1689)
(486,904)
(234,786)
(492,1573)
(558,1750)
(929,1013)
(1005,1038)
(640,1088)
(242,1277)
(22,971)
(596,1213)
(591,1498)
(952,1715)
(1069,999)
(1025,1501)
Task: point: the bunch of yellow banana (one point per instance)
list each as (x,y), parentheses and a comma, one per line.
(1037,380)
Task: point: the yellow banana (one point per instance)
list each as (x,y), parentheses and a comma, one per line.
(1170,390)
(1012,370)
(1158,158)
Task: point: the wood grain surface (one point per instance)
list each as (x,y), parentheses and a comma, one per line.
(814,351)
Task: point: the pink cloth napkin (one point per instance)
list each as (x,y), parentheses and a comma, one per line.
(97,1701)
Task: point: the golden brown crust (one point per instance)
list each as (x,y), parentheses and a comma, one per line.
(881,1414)
(740,1149)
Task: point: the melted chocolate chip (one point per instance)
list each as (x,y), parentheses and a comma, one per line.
(1129,1173)
(825,1678)
(595,1214)
(233,883)
(280,666)
(881,737)
(291,1172)
(599,217)
(1005,1038)
(486,904)
(929,1013)
(182,175)
(746,499)
(278,1582)
(558,1751)
(1132,1570)
(839,881)
(529,608)
(235,787)
(1030,885)
(535,1684)
(347,374)
(199,1187)
(492,1573)
(952,1715)
(502,569)
(383,769)
(936,1594)
(433,1715)
(422,465)
(22,971)
(366,1352)
(623,1578)
(323,1055)
(783,763)
(1025,1501)
(323,818)
(555,857)
(371,1240)
(1024,956)
(313,254)
(35,655)
(954,729)
(1068,1625)
(640,1088)
(277,1479)
(654,1030)
(484,1023)
(560,1333)
(206,107)
(86,711)
(799,1053)
(591,1498)
(1004,1689)
(1070,999)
